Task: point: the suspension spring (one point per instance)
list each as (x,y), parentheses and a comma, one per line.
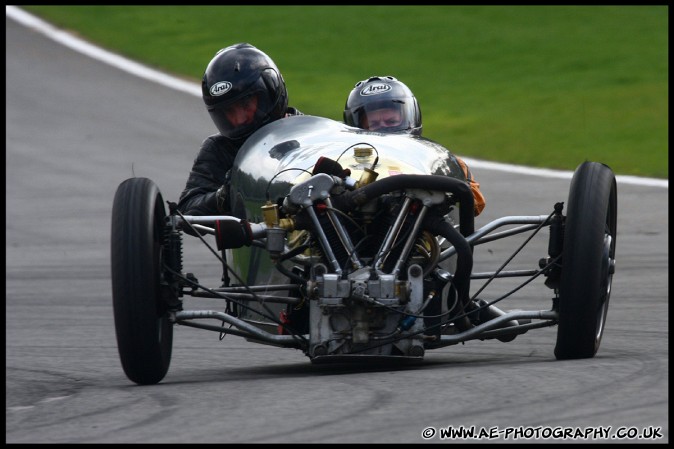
(173,249)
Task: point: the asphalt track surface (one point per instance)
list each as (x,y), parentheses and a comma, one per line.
(76,128)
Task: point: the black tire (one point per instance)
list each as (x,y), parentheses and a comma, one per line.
(144,332)
(588,261)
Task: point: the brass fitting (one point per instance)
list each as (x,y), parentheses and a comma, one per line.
(270,214)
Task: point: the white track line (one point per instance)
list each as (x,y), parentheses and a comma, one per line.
(192,88)
(100,54)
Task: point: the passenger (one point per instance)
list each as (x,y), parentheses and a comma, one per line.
(386,105)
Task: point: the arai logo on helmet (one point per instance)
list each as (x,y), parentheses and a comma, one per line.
(220,88)
(374,89)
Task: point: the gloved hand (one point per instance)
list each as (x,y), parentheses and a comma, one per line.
(221,199)
(222,195)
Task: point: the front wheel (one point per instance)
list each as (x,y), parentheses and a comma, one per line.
(144,332)
(588,261)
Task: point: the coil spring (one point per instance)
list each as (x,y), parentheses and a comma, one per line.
(173,249)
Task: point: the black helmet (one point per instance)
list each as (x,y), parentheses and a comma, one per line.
(245,76)
(383,92)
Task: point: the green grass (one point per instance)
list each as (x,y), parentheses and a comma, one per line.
(546,86)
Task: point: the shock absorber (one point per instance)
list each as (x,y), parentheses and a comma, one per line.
(172,249)
(172,258)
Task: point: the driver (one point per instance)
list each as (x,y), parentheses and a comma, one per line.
(243,90)
(386,105)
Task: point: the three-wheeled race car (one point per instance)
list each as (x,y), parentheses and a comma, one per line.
(348,245)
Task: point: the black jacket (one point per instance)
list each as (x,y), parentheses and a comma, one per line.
(209,173)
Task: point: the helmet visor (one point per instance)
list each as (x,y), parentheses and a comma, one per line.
(243,114)
(385,117)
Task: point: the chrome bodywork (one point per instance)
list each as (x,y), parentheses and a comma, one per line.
(280,154)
